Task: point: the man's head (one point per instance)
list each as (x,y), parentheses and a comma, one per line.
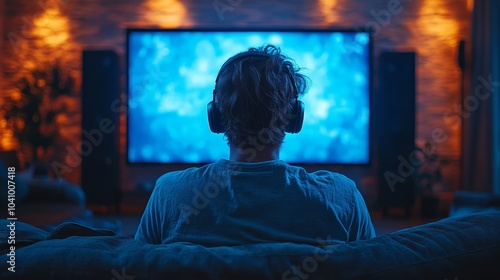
(255,93)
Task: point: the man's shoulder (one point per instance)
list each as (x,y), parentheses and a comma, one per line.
(188,174)
(322,177)
(334,176)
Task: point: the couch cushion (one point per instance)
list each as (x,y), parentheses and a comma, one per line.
(464,247)
(467,202)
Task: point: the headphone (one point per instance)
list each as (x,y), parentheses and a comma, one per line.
(214,115)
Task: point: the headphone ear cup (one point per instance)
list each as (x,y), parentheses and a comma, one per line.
(214,118)
(297,114)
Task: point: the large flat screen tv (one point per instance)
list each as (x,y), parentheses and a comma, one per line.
(171,75)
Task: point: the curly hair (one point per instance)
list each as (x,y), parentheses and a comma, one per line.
(255,95)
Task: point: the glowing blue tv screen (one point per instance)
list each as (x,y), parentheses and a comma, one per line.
(171,75)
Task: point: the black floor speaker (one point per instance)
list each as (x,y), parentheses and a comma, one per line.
(396,131)
(100,128)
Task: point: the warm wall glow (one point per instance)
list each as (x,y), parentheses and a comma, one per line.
(7,141)
(439,74)
(46,38)
(434,19)
(166,13)
(51,28)
(470,5)
(328,10)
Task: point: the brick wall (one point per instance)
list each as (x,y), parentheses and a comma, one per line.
(432,28)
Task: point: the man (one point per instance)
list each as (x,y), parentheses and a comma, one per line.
(254,197)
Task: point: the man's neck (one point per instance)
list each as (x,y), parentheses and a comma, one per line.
(253,154)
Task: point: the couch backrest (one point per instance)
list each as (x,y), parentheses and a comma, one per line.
(460,247)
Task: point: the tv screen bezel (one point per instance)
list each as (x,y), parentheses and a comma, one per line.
(131,30)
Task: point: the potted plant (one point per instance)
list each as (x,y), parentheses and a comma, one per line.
(32,113)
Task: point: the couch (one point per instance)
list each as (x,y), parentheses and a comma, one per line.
(467,202)
(464,247)
(40,200)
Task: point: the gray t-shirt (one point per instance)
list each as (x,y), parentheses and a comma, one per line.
(233,203)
